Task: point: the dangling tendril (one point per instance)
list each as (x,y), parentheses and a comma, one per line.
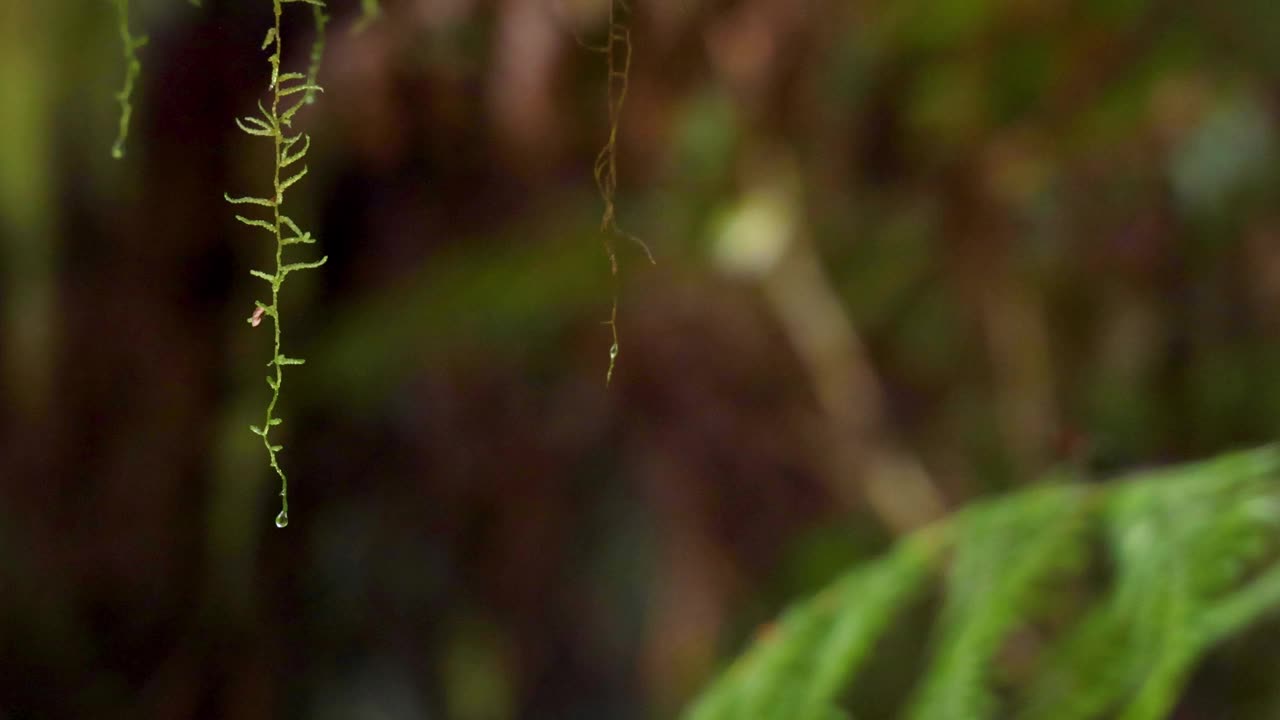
(133,66)
(289,92)
(617,51)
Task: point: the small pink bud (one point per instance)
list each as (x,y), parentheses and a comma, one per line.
(256,320)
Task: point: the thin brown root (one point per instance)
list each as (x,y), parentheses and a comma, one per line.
(617,50)
(613,349)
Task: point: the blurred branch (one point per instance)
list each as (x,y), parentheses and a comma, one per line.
(767,239)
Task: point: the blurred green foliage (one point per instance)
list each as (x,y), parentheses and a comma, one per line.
(910,255)
(1190,558)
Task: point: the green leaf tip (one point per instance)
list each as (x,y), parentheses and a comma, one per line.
(370,10)
(133,67)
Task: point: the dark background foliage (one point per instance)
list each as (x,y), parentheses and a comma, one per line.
(909,253)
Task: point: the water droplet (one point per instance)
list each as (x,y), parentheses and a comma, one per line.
(282,519)
(613,352)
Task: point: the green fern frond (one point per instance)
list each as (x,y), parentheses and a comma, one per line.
(800,665)
(274,118)
(1004,552)
(1180,541)
(1192,554)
